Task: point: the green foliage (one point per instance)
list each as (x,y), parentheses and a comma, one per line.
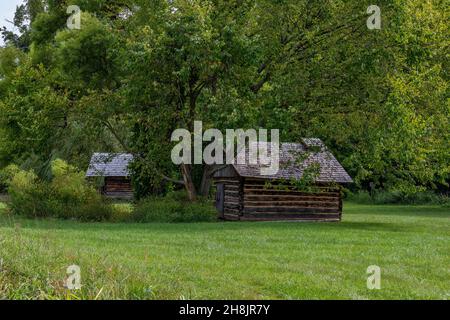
(67,195)
(32,116)
(45,27)
(85,56)
(378,98)
(174,208)
(10,59)
(122,212)
(6,175)
(24,16)
(398,197)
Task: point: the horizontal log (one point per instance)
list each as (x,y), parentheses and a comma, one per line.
(226,181)
(287,197)
(118,184)
(231,193)
(289,217)
(289,192)
(119,189)
(232,217)
(298,197)
(231,187)
(232,212)
(119,180)
(248,209)
(263,181)
(231,197)
(317,204)
(285,186)
(231,205)
(232,200)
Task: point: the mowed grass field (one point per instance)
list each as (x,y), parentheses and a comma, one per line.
(232,260)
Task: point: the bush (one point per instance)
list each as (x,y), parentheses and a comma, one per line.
(28,195)
(122,212)
(6,175)
(170,209)
(398,197)
(68,195)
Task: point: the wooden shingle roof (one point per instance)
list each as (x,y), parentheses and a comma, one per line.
(109,165)
(295,158)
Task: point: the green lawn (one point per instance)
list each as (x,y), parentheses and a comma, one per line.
(265,260)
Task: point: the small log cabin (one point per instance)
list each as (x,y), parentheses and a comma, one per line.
(244,194)
(113,167)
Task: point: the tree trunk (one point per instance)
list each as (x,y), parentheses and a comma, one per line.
(186,170)
(206,181)
(207,178)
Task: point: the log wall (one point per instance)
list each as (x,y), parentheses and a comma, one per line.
(251,200)
(287,203)
(118,188)
(233,197)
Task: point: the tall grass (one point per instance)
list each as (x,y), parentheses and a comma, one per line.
(174,208)
(397,197)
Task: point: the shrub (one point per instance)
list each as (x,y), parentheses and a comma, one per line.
(122,212)
(6,174)
(168,209)
(179,195)
(27,194)
(68,195)
(399,197)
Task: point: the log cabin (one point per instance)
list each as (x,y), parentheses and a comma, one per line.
(242,193)
(113,168)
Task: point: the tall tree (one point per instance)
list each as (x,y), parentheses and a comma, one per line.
(137,70)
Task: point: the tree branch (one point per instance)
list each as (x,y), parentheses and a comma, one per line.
(109,126)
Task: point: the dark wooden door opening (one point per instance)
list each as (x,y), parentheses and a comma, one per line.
(220,198)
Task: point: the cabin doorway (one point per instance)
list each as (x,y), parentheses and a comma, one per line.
(220,198)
